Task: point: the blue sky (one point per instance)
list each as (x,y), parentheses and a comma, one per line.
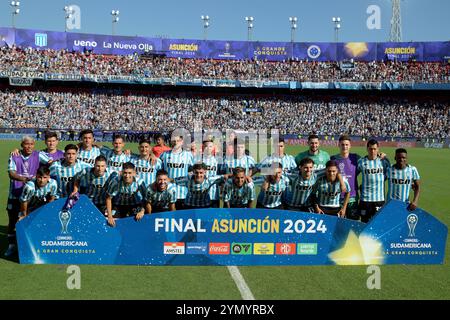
(422,20)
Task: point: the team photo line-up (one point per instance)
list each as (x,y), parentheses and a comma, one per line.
(161,178)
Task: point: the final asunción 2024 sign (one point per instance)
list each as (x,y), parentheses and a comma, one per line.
(229,237)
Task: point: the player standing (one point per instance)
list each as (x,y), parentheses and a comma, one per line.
(401,177)
(145,168)
(348,167)
(65,170)
(178,162)
(116,157)
(239,159)
(302,186)
(21,169)
(160,146)
(319,157)
(286,160)
(373,170)
(87,151)
(51,141)
(212,165)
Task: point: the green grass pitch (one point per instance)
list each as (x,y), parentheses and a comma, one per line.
(292,282)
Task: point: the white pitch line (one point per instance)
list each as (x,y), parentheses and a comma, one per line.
(245,291)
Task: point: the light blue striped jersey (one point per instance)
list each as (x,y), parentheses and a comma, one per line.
(145,170)
(246,162)
(275,195)
(238,197)
(177,165)
(95,186)
(198,193)
(127,195)
(373,173)
(64,175)
(328,194)
(88,156)
(36,196)
(12,166)
(400,182)
(287,161)
(161,199)
(212,167)
(114,161)
(301,189)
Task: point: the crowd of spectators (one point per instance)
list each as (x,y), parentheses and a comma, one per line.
(63,61)
(110,110)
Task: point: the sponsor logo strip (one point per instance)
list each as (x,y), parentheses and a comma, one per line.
(263,248)
(307,248)
(241,248)
(219,248)
(174,248)
(285,248)
(196,248)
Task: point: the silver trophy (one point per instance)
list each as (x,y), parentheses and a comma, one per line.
(64,218)
(412,220)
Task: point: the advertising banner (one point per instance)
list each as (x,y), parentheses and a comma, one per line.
(395,235)
(400,51)
(315,51)
(272,51)
(40,39)
(117,45)
(226,50)
(358,51)
(183,48)
(436,51)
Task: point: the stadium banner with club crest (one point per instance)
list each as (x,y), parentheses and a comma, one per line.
(226,50)
(80,235)
(40,39)
(315,51)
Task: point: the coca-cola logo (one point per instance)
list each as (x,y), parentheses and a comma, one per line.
(219,248)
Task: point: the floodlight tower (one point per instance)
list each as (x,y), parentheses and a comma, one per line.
(396,22)
(249,27)
(205,26)
(15,5)
(115,19)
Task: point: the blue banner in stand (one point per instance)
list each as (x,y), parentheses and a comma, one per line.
(51,235)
